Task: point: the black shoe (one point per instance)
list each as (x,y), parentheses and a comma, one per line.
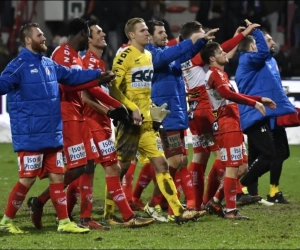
(213,207)
(277,198)
(246,199)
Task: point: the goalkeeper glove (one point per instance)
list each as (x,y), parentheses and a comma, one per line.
(120,114)
(158,114)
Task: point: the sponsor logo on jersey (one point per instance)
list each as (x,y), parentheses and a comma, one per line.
(77,152)
(236,153)
(107,146)
(33,162)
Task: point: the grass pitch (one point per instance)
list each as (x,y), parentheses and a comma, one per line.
(275,227)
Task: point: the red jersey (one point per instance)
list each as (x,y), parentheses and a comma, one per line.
(173,42)
(71,103)
(95,120)
(224,101)
(194,72)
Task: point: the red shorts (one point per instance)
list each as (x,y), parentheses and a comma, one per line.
(173,142)
(201,121)
(79,145)
(106,147)
(231,148)
(32,164)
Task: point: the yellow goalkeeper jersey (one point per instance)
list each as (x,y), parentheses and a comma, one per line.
(132,87)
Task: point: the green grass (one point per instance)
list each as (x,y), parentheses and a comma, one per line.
(274,227)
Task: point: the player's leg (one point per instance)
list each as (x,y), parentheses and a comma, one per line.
(146,175)
(186,177)
(232,156)
(127,140)
(53,163)
(127,181)
(243,198)
(74,160)
(148,147)
(259,135)
(282,153)
(86,180)
(29,164)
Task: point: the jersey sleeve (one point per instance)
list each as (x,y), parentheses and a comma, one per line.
(100,94)
(120,68)
(219,83)
(231,43)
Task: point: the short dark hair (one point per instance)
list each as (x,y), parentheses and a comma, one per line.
(151,25)
(208,51)
(189,28)
(25,30)
(76,25)
(90,23)
(244,45)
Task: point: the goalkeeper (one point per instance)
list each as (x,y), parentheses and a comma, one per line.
(134,70)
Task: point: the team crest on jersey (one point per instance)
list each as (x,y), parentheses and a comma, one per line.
(47,71)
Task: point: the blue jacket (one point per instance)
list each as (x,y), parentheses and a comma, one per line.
(31,84)
(167,82)
(257,74)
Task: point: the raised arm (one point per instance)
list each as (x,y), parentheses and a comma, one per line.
(161,58)
(258,58)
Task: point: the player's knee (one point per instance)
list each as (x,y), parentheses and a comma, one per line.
(113,170)
(185,160)
(160,164)
(27,182)
(201,158)
(176,161)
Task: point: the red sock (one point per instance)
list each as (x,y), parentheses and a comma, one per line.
(15,199)
(73,193)
(116,192)
(127,181)
(220,192)
(214,179)
(230,192)
(239,187)
(198,179)
(59,200)
(143,180)
(156,200)
(86,195)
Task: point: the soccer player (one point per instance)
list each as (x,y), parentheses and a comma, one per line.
(31,84)
(201,116)
(257,72)
(226,126)
(168,87)
(100,125)
(134,71)
(79,148)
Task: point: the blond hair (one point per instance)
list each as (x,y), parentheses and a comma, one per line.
(130,25)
